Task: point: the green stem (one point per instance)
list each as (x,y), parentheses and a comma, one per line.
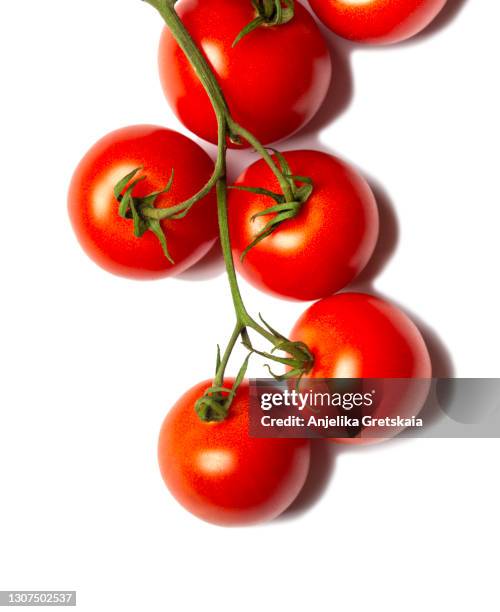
(250,138)
(242,315)
(239,307)
(195,56)
(219,376)
(180,210)
(215,405)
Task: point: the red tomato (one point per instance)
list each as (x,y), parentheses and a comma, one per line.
(354,335)
(107,238)
(324,247)
(220,474)
(274,80)
(377,21)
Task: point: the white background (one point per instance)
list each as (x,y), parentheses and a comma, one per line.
(411,525)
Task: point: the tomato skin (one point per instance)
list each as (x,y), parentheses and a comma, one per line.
(106,237)
(324,247)
(274,80)
(220,474)
(355,335)
(377,21)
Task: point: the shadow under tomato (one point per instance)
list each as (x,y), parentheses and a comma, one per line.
(341,90)
(210,266)
(442,363)
(320,473)
(450,11)
(441,359)
(442,367)
(388,238)
(342,86)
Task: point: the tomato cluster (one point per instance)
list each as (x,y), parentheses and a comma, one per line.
(147,202)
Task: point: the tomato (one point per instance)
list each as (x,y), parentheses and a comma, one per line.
(220,474)
(377,21)
(106,237)
(274,80)
(320,250)
(355,335)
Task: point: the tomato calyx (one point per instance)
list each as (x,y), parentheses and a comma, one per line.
(214,404)
(135,208)
(268,13)
(300,359)
(284,209)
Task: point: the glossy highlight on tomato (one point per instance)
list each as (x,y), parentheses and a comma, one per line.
(324,247)
(377,21)
(220,474)
(356,335)
(106,237)
(274,80)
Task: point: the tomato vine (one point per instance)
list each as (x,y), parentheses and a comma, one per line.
(215,403)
